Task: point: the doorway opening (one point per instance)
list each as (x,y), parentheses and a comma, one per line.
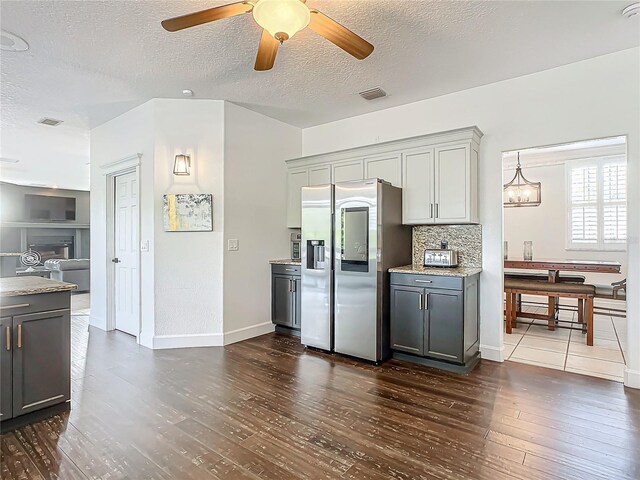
(566,257)
(123,269)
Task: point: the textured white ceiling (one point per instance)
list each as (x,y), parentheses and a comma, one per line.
(90,61)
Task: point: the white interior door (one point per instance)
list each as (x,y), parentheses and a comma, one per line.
(126,254)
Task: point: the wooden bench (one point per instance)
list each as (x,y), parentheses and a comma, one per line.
(541,277)
(615,291)
(583,293)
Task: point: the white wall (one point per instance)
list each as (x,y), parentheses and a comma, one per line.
(590,99)
(124,136)
(255,181)
(193,292)
(547,225)
(188,265)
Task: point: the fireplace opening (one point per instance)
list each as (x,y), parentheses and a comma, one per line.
(52,247)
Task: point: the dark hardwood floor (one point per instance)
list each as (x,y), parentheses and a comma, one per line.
(266,409)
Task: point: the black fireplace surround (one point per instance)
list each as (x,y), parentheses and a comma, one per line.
(52,246)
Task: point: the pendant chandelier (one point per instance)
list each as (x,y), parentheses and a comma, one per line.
(520,192)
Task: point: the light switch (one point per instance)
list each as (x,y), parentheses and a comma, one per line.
(233,245)
(144,246)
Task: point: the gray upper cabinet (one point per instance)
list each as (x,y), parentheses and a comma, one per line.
(435,316)
(6,366)
(41,360)
(438,175)
(407,319)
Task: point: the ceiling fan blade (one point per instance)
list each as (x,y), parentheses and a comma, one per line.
(266,52)
(206,16)
(339,35)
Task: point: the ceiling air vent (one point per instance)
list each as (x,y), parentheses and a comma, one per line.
(373,93)
(51,122)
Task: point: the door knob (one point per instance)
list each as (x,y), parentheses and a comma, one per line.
(115,260)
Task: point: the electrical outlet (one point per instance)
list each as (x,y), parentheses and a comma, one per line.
(233,245)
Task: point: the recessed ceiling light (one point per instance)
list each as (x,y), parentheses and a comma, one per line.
(187,93)
(631,10)
(50,122)
(10,42)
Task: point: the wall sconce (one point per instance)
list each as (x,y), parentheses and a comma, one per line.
(182,165)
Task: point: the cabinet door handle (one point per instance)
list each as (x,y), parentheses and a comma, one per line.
(8,338)
(426,301)
(420,302)
(290,269)
(19,335)
(289,285)
(437,210)
(431,214)
(424,281)
(19,305)
(293,285)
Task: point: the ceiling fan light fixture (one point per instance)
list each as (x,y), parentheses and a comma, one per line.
(281,18)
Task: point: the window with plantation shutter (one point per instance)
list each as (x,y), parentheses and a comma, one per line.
(598,205)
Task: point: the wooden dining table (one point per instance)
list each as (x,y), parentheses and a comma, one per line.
(554,267)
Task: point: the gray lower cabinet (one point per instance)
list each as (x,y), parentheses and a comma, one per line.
(36,353)
(435,317)
(407,319)
(6,366)
(285,296)
(41,360)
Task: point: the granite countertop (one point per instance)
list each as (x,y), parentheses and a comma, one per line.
(286,261)
(438,271)
(10,254)
(30,285)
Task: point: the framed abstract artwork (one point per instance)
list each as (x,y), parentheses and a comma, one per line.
(188,212)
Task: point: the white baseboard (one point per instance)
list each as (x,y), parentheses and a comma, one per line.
(187,341)
(248,332)
(631,378)
(211,339)
(495,354)
(97,322)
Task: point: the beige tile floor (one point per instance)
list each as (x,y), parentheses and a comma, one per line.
(81,304)
(567,350)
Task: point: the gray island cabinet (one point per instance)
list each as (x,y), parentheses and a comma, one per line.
(285,296)
(35,321)
(434,317)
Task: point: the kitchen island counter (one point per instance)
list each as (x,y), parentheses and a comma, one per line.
(29,285)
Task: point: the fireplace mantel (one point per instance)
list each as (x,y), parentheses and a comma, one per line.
(43,225)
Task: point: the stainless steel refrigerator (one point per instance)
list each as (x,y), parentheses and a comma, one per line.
(352,233)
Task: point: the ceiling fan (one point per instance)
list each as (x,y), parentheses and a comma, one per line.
(280,20)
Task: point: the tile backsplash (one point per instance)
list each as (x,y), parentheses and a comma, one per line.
(466,239)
